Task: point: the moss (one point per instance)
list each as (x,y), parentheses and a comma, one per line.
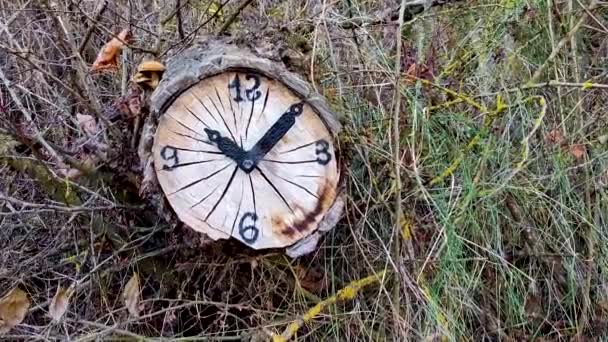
(57,189)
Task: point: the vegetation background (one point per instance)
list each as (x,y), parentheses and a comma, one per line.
(475,134)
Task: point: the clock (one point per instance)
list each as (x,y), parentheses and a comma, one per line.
(240,154)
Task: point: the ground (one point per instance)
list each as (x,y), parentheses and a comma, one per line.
(476,164)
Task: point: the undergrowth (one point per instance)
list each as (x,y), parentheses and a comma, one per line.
(503,177)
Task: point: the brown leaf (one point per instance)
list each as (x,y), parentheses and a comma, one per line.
(107,59)
(578,151)
(131,295)
(411,73)
(126,106)
(13,308)
(555,137)
(415,71)
(311,279)
(60,303)
(533,307)
(134,104)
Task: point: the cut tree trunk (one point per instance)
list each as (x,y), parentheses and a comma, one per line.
(244,149)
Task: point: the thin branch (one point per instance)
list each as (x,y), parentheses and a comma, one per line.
(348,292)
(398,214)
(63,159)
(538,73)
(233,17)
(53,207)
(91,29)
(552,83)
(59,82)
(178,17)
(193,32)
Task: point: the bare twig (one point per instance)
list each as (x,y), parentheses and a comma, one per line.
(87,103)
(178,16)
(347,293)
(551,83)
(61,158)
(53,207)
(193,32)
(233,16)
(538,73)
(102,7)
(398,211)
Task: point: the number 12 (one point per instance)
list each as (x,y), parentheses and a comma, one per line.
(252,93)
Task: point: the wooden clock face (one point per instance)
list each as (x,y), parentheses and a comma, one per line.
(240,155)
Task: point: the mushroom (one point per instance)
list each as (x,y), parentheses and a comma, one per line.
(149,74)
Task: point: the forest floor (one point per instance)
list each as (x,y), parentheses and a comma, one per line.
(477,175)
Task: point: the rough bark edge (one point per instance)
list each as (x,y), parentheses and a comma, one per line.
(211,57)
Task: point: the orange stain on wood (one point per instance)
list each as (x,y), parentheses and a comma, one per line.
(305,222)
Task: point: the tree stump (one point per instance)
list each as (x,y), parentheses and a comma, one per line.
(245,149)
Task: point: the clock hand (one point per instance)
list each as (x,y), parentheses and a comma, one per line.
(274,134)
(228,147)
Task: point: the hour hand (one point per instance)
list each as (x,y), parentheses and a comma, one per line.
(228,147)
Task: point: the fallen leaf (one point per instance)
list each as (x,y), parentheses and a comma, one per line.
(131,295)
(533,307)
(134,105)
(415,71)
(311,279)
(13,308)
(107,59)
(87,124)
(411,72)
(555,137)
(126,106)
(578,151)
(60,303)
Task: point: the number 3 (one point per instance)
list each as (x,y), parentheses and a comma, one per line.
(322,152)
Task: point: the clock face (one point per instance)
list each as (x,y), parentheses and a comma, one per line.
(240,155)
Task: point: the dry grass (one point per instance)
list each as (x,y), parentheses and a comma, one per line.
(494,230)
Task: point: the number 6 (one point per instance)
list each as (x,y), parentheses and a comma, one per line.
(244,229)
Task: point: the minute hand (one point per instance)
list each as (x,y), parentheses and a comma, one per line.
(275,133)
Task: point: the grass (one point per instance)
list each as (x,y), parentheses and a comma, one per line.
(502,228)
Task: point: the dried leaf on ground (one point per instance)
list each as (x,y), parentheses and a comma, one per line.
(312,279)
(126,106)
(13,308)
(416,71)
(578,151)
(411,72)
(555,137)
(131,295)
(107,59)
(60,303)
